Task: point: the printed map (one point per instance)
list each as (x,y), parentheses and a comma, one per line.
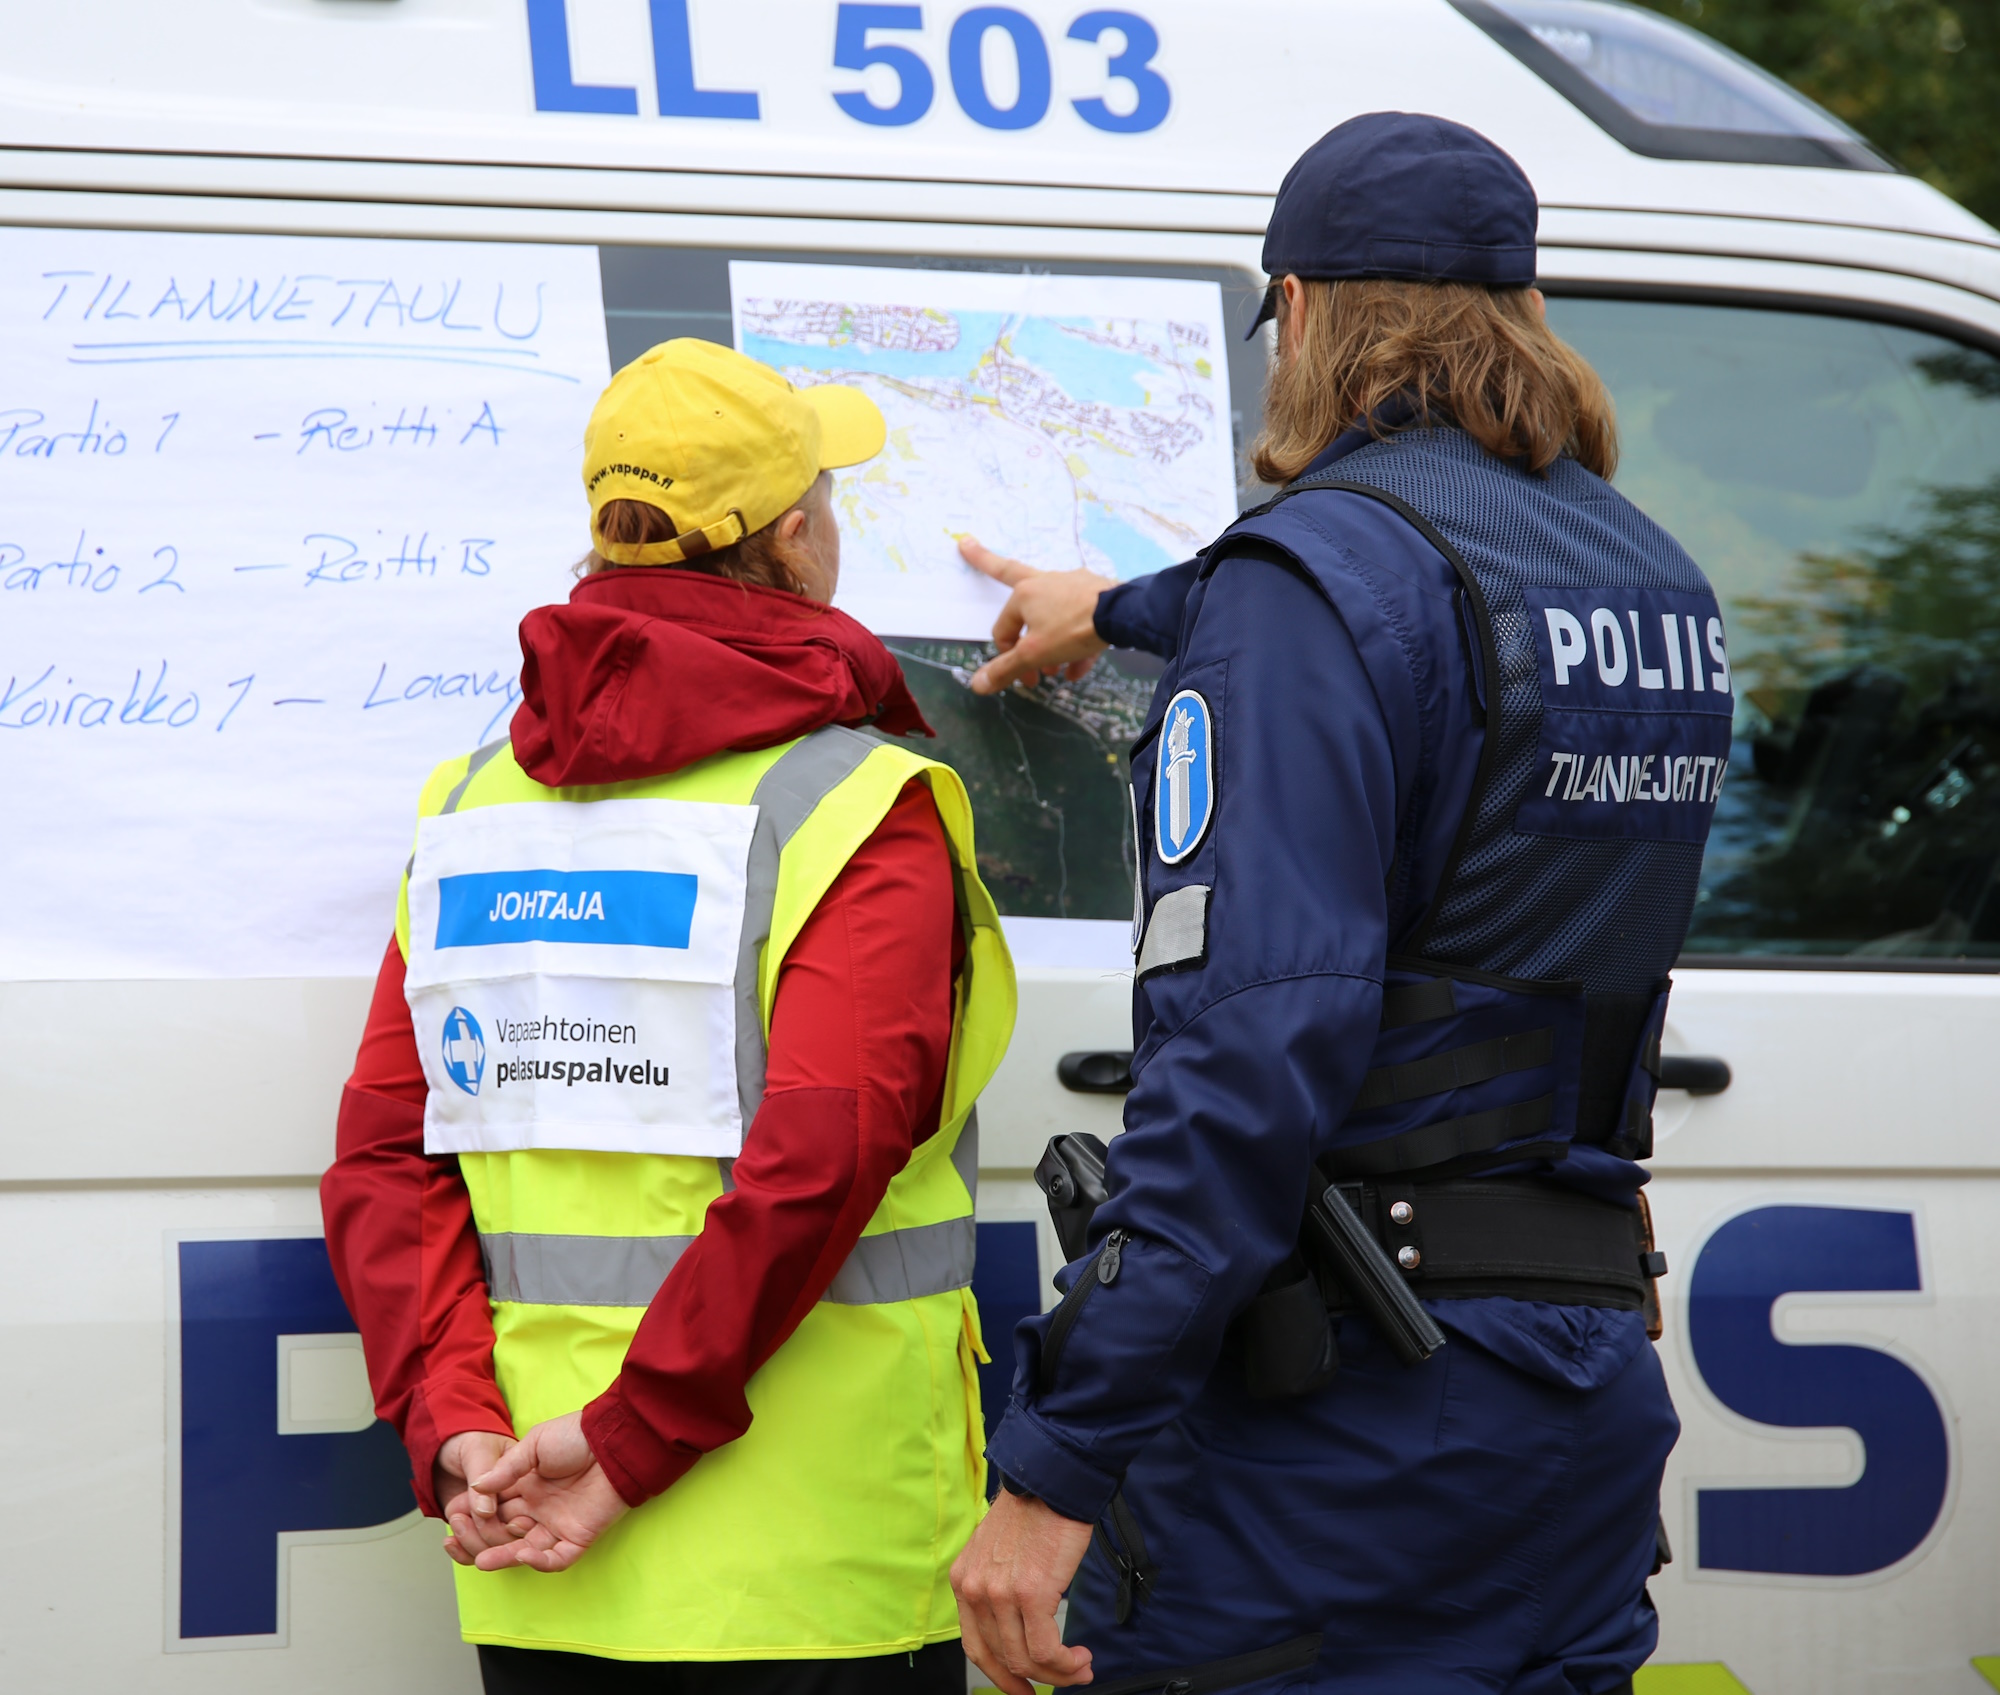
(1062,420)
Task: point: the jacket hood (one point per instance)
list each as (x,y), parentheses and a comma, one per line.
(645,671)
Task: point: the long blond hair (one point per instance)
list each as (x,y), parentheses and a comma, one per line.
(1455,353)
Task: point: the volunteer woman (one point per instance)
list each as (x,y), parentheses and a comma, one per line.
(658,1149)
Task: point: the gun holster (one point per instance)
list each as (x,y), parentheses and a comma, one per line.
(1285,1336)
(1071,1174)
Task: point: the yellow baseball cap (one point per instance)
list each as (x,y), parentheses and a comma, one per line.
(721,443)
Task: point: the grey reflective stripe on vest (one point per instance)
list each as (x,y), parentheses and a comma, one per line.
(965,1156)
(627,1271)
(481,757)
(900,1265)
(578,1271)
(474,764)
(784,797)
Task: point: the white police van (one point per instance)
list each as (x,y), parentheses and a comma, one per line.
(1804,346)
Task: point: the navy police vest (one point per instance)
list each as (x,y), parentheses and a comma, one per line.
(1523,1012)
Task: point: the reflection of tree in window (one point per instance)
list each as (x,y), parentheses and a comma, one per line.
(1839,480)
(1879,684)
(1046,769)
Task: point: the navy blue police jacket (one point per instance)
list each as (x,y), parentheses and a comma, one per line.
(1346,730)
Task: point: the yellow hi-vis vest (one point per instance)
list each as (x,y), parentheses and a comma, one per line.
(828,1529)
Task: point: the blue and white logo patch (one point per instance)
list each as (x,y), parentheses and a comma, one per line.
(464,1049)
(1184,786)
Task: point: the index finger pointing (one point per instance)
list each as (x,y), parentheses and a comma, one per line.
(1003,670)
(996,565)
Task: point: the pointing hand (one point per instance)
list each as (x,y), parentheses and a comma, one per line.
(1046,626)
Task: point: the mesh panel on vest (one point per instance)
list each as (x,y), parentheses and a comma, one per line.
(1610,914)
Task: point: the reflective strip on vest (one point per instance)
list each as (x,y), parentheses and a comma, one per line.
(901,1265)
(784,797)
(475,763)
(627,1271)
(578,1271)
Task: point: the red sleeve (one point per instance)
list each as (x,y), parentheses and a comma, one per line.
(405,1253)
(860,1032)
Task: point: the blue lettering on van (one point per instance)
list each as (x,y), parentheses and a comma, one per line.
(853,51)
(673,71)
(968,74)
(1129,43)
(241,1483)
(634,909)
(1133,64)
(1806,1531)
(548,56)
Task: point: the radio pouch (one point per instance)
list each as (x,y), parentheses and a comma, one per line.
(1287,1336)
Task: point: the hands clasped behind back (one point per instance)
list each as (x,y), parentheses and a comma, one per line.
(472,1514)
(539,1502)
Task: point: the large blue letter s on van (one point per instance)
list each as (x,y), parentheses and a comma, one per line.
(1744,1268)
(241,1481)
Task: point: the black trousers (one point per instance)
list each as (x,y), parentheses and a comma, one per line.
(936,1670)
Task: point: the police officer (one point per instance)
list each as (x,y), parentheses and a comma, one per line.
(1422,799)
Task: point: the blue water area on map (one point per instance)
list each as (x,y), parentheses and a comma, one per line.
(1130,553)
(1087,370)
(977,332)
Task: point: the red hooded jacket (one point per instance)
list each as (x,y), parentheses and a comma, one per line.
(641,673)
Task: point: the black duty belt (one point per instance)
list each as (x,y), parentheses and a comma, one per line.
(1521,1237)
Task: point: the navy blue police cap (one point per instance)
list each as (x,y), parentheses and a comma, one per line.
(1402,195)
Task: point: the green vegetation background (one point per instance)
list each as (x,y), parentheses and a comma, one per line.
(1919,79)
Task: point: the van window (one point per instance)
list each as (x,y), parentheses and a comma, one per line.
(1665,91)
(1839,480)
(1047,769)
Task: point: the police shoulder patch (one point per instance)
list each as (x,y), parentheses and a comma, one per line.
(1184,785)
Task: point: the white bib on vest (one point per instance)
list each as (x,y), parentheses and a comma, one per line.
(572,975)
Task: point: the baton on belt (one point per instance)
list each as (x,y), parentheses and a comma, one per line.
(1370,1277)
(1071,1175)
